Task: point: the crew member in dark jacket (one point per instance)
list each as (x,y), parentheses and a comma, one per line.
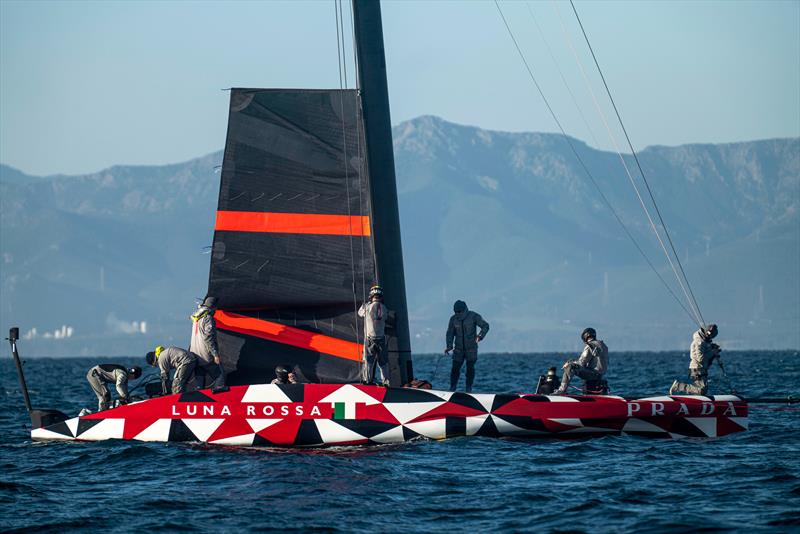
(184,363)
(100,376)
(462,339)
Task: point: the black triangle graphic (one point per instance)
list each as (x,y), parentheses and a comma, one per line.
(60,428)
(680,426)
(488,429)
(308,434)
(525,422)
(178,431)
(502,400)
(366,428)
(86,424)
(467,400)
(295,392)
(195,396)
(409,434)
(261,441)
(410,395)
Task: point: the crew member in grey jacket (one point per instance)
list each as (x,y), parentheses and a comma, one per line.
(462,339)
(374,313)
(591,365)
(702,354)
(184,363)
(100,376)
(204,345)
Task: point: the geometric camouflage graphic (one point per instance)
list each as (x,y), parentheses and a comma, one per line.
(319,415)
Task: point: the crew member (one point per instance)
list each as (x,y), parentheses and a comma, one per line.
(591,365)
(462,339)
(183,361)
(284,375)
(100,376)
(204,345)
(374,313)
(702,354)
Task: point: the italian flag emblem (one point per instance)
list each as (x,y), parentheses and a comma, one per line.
(344,410)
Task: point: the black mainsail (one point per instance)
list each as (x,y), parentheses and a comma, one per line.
(293,251)
(307,220)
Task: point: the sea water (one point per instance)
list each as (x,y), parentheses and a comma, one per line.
(746,482)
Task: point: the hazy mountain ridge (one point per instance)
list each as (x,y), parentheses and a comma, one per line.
(507,221)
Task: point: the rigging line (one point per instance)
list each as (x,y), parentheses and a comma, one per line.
(636,158)
(339,46)
(363,159)
(697,317)
(344,48)
(361,162)
(560,73)
(583,165)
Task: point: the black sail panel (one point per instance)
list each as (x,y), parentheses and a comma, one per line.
(293,252)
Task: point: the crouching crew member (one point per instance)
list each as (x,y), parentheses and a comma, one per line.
(209,371)
(100,376)
(284,375)
(702,354)
(592,364)
(375,313)
(462,338)
(183,361)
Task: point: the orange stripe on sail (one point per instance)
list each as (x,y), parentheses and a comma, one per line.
(289,335)
(293,223)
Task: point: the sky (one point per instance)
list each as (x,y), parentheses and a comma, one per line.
(87,85)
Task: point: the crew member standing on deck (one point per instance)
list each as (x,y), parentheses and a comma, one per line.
(592,364)
(183,361)
(204,344)
(702,354)
(462,339)
(374,313)
(100,376)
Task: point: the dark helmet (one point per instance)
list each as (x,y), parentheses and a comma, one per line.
(710,331)
(210,302)
(282,372)
(588,333)
(551,372)
(135,372)
(151,358)
(376,291)
(459,306)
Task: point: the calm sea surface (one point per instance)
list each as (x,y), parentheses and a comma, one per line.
(748,482)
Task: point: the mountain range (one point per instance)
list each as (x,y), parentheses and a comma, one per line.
(110,263)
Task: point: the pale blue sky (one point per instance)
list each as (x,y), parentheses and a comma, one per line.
(85,85)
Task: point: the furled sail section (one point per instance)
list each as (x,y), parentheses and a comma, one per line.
(293,252)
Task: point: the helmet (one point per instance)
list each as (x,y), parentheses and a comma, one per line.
(151,358)
(710,331)
(588,333)
(376,291)
(210,302)
(459,306)
(282,372)
(134,372)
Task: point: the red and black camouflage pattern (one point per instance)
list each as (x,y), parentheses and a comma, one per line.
(320,415)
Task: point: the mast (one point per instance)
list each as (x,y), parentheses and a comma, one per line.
(383,187)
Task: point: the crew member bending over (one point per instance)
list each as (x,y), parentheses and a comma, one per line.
(592,364)
(374,313)
(183,361)
(702,354)
(100,376)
